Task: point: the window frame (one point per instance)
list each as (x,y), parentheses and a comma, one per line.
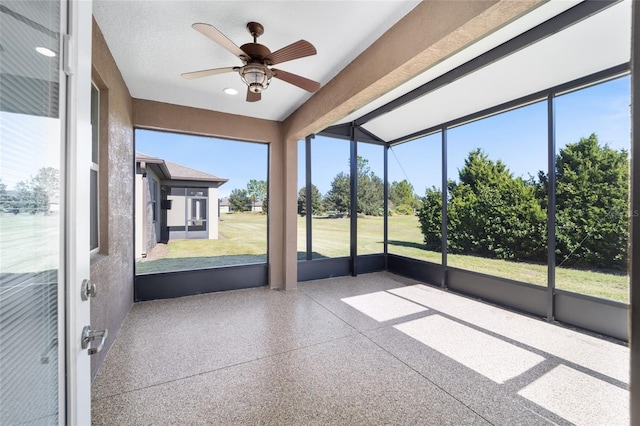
(94,166)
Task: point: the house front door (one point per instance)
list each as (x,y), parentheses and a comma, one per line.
(44,232)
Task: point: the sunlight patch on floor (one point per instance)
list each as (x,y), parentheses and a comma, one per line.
(492,357)
(382,306)
(580,398)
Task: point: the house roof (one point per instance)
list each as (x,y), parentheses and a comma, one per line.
(180,172)
(175,171)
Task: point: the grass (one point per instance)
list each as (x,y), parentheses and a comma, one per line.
(243,240)
(29,243)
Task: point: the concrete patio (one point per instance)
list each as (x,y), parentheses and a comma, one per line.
(374,349)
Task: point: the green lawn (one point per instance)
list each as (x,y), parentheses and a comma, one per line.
(29,243)
(243,240)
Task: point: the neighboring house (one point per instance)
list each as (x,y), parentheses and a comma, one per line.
(226,208)
(224,205)
(173,202)
(256,206)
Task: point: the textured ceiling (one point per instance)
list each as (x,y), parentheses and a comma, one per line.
(153,43)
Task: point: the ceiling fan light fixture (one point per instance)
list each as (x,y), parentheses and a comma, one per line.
(257,77)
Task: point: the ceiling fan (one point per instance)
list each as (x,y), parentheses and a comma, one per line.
(257,59)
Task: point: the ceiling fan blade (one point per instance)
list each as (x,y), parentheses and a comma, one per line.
(299,49)
(214,34)
(206,73)
(253,97)
(296,80)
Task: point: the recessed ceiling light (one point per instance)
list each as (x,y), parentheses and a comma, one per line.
(230,91)
(46,52)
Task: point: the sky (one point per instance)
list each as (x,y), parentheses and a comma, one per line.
(516,137)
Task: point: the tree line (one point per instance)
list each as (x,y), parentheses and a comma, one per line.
(370,199)
(244,200)
(493,214)
(33,195)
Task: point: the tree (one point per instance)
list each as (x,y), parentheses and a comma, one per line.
(316,201)
(6,203)
(257,191)
(430,217)
(48,179)
(337,199)
(239,201)
(402,196)
(592,205)
(490,213)
(370,191)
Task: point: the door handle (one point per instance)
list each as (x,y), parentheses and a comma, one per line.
(89,336)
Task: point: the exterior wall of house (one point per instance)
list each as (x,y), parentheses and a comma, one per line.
(139,217)
(180,208)
(112,266)
(151,226)
(212,212)
(147,229)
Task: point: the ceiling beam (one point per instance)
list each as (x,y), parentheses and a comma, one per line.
(431,32)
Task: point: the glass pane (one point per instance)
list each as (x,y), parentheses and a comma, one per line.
(592,190)
(218,218)
(30,222)
(95,123)
(93,209)
(330,192)
(370,199)
(302,221)
(415,195)
(497,219)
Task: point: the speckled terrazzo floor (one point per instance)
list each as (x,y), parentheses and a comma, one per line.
(374,349)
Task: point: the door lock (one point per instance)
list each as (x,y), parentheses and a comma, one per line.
(88,290)
(89,336)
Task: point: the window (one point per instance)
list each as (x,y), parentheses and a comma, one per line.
(153,193)
(330,197)
(370,199)
(201,202)
(94,195)
(415,195)
(592,190)
(302,217)
(497,216)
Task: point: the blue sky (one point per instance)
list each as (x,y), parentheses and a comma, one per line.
(517,137)
(237,161)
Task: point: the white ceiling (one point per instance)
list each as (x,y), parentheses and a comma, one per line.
(153,43)
(591,45)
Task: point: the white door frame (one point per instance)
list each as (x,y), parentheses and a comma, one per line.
(76,62)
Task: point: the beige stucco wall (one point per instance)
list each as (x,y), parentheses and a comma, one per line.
(112,267)
(175,118)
